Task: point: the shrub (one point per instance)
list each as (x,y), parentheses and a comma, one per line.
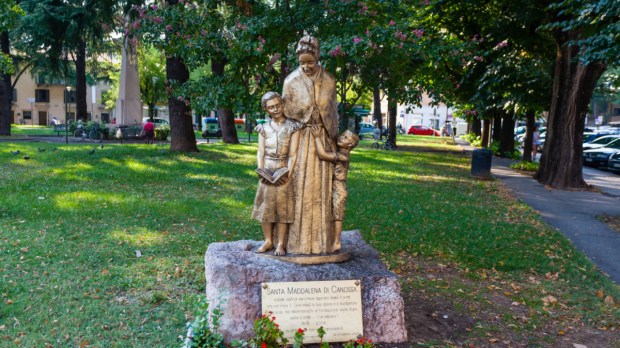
(525,166)
(162,132)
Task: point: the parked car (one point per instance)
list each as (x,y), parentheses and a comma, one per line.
(366,129)
(520,138)
(211,127)
(422,130)
(613,164)
(600,142)
(600,157)
(157,121)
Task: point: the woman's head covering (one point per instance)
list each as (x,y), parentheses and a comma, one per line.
(310,45)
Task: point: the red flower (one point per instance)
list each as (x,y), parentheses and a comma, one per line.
(263,345)
(300,331)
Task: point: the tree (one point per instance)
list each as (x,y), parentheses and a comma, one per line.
(151,68)
(52,28)
(586,34)
(506,69)
(10,13)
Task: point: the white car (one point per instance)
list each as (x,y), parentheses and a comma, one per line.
(600,142)
(157,121)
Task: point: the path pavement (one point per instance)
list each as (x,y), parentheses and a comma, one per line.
(573,213)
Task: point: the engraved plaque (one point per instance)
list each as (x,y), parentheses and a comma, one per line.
(334,305)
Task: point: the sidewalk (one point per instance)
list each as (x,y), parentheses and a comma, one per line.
(573,213)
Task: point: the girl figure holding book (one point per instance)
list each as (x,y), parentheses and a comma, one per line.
(277,153)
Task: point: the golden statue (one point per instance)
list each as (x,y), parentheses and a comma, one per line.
(277,150)
(309,95)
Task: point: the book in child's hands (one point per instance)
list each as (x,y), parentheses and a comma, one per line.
(272,177)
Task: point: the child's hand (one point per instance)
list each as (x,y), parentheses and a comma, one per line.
(315,130)
(282,180)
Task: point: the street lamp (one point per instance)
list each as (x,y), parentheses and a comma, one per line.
(31,101)
(67,114)
(155,79)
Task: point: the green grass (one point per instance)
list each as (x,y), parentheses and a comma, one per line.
(71,223)
(32,130)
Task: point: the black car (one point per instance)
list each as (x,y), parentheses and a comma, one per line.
(613,163)
(600,157)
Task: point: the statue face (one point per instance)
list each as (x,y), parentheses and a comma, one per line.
(274,108)
(308,64)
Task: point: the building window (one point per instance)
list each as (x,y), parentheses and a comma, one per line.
(42,95)
(105,117)
(27,115)
(70,97)
(14,95)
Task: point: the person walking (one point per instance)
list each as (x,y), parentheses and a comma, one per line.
(535,142)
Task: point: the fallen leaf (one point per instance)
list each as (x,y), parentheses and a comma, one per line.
(561,332)
(552,276)
(105,272)
(8,302)
(599,293)
(577,345)
(609,300)
(83,344)
(549,300)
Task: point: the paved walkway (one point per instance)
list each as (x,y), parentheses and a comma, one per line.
(573,213)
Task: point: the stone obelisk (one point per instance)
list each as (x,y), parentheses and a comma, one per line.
(128,109)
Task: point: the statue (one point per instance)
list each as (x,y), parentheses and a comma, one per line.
(277,152)
(309,95)
(346,142)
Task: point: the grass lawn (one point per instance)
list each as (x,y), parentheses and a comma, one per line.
(32,130)
(72,223)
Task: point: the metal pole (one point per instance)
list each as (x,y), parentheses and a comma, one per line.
(32,114)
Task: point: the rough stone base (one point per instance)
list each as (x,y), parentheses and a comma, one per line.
(234,273)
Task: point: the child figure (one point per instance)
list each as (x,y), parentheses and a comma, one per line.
(346,142)
(278,140)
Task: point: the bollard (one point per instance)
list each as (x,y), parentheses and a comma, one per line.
(481,163)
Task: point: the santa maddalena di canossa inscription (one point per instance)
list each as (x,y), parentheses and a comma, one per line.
(334,305)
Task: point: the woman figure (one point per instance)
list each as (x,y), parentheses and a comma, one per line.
(309,95)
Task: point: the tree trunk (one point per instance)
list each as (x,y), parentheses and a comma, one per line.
(80,82)
(476,126)
(573,85)
(376,107)
(486,133)
(181,129)
(497,126)
(530,122)
(225,115)
(507,143)
(6,91)
(392,110)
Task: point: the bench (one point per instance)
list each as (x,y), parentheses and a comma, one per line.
(59,128)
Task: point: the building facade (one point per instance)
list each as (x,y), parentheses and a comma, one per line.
(37,101)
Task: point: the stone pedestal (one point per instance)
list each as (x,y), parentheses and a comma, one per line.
(235,272)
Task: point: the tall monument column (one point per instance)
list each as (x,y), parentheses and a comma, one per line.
(128,109)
